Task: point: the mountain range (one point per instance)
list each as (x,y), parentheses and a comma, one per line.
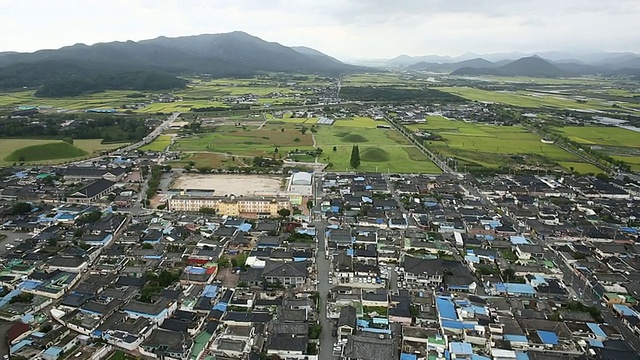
(219,55)
(612,59)
(534,66)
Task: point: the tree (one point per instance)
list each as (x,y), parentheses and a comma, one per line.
(223,261)
(284,212)
(508,275)
(335,149)
(309,204)
(21,208)
(68,140)
(355,157)
(275,150)
(21,159)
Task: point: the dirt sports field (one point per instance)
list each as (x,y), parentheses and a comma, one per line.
(245,185)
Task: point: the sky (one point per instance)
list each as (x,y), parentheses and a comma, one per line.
(346,29)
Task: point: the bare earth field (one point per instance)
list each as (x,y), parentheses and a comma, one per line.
(245,185)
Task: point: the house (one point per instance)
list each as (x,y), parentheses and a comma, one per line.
(370,347)
(428,272)
(527,251)
(290,274)
(83,173)
(91,192)
(166,344)
(347,322)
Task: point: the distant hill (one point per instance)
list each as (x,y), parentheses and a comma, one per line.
(315,54)
(532,66)
(449,67)
(603,61)
(219,55)
(406,60)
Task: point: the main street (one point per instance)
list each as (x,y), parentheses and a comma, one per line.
(323,267)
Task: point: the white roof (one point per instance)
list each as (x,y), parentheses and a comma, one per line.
(301,178)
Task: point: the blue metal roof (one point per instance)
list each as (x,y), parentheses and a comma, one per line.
(515,240)
(445,308)
(405,356)
(547,337)
(515,288)
(597,330)
(516,338)
(624,310)
(460,348)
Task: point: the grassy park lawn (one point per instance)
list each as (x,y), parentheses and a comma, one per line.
(159,144)
(211,160)
(252,142)
(50,151)
(380,149)
(494,146)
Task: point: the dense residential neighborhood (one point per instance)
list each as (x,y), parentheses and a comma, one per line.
(378,266)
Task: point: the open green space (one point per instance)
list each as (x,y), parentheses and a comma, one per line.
(601,135)
(494,146)
(380,150)
(377,79)
(359,122)
(199,93)
(253,142)
(159,144)
(211,160)
(51,151)
(633,161)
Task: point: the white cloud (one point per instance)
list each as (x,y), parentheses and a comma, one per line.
(343,28)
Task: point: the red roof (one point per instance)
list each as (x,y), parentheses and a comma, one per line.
(16,330)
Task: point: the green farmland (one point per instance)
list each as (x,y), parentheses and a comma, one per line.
(601,135)
(159,144)
(494,146)
(527,99)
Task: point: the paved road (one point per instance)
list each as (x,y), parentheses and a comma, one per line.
(323,267)
(154,134)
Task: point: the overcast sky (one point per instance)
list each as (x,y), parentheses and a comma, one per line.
(347,29)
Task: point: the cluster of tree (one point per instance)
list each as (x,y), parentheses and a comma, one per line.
(219,108)
(156,283)
(260,161)
(393,94)
(90,217)
(21,208)
(107,127)
(154,181)
(136,80)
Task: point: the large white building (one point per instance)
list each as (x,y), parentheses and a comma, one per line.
(301,183)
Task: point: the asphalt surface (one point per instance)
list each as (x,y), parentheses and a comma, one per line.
(323,266)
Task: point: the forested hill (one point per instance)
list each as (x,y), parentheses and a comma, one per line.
(156,64)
